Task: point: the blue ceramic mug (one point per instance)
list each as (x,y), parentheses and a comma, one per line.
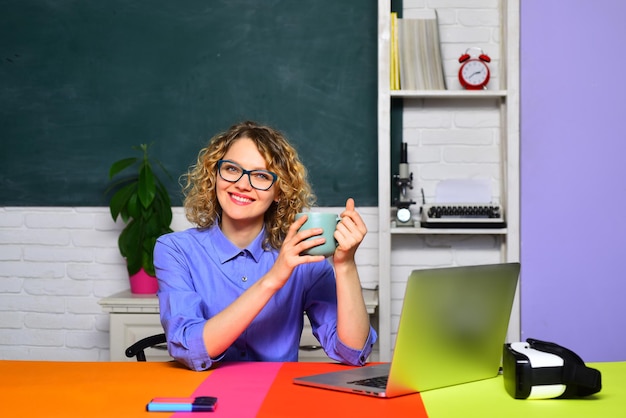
(328,222)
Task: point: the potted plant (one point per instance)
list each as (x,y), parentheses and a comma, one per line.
(144,205)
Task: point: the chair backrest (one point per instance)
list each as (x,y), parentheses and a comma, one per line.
(137,349)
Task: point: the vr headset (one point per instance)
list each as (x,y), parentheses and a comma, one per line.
(541,370)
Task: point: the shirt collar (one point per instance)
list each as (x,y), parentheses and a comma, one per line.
(226,250)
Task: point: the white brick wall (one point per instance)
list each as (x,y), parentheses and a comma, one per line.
(57,263)
(458,139)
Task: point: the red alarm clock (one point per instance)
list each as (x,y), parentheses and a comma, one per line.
(474,72)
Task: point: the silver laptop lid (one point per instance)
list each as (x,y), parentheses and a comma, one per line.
(452,327)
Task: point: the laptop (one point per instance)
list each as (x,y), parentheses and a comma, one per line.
(452,327)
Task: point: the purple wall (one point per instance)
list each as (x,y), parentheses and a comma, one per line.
(573,174)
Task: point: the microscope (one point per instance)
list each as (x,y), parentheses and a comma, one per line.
(404,181)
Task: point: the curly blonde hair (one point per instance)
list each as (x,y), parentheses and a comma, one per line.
(294,192)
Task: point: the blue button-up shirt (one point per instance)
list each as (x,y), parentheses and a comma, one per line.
(201,272)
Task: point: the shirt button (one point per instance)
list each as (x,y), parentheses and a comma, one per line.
(244,279)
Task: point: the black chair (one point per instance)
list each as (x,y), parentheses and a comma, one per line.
(137,349)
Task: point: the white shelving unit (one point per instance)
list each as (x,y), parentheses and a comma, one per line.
(503,95)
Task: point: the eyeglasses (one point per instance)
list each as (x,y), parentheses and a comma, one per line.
(232,172)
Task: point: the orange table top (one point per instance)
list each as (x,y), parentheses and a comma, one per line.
(122,389)
(86,389)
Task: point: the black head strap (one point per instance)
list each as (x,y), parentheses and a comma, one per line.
(579,379)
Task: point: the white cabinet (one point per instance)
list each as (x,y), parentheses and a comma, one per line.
(450,133)
(133,317)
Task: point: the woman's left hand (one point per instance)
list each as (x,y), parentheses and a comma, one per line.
(349,234)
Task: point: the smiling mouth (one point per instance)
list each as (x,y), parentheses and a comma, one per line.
(241,199)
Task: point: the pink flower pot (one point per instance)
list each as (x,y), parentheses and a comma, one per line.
(143,284)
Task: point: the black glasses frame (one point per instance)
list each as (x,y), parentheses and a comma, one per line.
(248,172)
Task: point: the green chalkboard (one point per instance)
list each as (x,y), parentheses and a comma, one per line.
(83,81)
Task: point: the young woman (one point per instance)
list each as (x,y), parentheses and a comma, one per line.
(236,287)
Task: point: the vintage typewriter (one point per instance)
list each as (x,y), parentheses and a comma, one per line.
(462,215)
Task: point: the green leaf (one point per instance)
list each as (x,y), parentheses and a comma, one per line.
(133,209)
(148,258)
(163,193)
(127,238)
(133,264)
(147,185)
(162,209)
(128,242)
(120,165)
(119,201)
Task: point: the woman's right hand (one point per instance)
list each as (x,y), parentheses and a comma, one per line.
(294,245)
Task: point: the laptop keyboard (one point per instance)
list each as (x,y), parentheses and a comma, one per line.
(375,382)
